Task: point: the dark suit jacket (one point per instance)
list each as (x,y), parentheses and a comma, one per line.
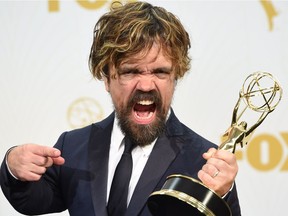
(80,184)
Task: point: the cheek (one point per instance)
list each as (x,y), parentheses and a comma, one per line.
(119,95)
(167,92)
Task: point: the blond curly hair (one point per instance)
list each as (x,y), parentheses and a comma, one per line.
(131,29)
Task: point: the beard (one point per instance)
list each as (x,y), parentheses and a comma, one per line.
(142,134)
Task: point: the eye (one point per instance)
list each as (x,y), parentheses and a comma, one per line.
(128,71)
(127,74)
(162,74)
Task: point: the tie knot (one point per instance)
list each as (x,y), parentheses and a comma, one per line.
(128,145)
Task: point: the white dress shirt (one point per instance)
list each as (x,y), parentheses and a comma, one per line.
(140,156)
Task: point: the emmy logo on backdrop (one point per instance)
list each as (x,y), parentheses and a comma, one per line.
(184,196)
(84,111)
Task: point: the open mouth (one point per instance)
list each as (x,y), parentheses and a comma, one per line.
(144,111)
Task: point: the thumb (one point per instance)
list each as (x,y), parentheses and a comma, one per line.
(58,160)
(209,153)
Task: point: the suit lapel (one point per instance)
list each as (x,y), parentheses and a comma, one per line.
(99,145)
(164,152)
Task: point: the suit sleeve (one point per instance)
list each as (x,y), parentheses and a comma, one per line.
(232,200)
(30,198)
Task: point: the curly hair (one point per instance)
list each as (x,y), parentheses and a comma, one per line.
(132,29)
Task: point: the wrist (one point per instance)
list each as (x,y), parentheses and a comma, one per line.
(7,164)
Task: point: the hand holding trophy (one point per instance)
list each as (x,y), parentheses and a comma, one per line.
(183,195)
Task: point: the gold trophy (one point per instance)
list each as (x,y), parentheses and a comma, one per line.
(184,196)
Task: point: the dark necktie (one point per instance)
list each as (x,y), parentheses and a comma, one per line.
(117,203)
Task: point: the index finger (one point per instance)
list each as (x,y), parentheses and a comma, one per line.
(45,151)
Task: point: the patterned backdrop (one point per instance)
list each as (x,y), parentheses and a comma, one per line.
(46,87)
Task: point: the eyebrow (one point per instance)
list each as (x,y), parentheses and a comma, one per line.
(126,69)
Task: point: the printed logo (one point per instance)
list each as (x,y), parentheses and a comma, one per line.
(84,111)
(266,152)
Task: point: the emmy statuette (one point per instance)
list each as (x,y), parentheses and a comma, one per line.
(184,196)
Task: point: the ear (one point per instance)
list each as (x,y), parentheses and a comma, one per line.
(106,82)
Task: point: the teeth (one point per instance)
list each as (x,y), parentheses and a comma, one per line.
(145,102)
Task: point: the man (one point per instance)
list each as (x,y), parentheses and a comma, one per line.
(140,51)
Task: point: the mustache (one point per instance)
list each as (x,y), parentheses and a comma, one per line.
(139,95)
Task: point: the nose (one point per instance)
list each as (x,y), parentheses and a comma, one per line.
(146,82)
